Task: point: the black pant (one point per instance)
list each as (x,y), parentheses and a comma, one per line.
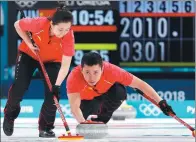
(106,104)
(25,67)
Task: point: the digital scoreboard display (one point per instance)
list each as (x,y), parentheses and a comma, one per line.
(157,34)
(139,36)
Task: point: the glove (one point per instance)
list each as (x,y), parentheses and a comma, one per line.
(166,108)
(56,90)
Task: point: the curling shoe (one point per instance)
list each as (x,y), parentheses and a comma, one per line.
(48,133)
(8,126)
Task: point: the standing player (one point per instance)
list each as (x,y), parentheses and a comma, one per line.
(55,45)
(98,88)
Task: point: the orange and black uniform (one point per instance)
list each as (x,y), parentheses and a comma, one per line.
(51,51)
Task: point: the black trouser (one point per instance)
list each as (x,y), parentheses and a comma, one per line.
(106,104)
(25,67)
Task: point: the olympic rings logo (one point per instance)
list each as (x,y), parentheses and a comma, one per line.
(149,109)
(26,3)
(66,110)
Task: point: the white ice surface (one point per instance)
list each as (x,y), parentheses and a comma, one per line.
(132,130)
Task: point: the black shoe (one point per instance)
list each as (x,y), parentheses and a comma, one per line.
(48,133)
(8,126)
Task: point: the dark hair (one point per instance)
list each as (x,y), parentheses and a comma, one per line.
(92,58)
(62,14)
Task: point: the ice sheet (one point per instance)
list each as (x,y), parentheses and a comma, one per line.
(133,130)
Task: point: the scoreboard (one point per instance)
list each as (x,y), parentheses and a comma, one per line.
(157,34)
(139,36)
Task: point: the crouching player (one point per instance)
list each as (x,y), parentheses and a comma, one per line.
(98,88)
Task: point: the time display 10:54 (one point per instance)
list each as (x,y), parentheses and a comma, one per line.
(93,17)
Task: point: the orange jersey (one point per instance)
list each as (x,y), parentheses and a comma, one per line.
(51,48)
(111,74)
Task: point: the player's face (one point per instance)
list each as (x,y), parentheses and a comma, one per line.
(60,29)
(92,74)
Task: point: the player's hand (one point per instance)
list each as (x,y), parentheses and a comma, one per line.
(167,109)
(90,117)
(90,121)
(56,90)
(34,48)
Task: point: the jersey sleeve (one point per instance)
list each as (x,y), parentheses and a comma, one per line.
(68,44)
(32,24)
(72,84)
(119,75)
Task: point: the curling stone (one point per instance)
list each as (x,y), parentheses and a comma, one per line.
(124,111)
(93,130)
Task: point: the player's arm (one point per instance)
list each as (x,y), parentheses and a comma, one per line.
(24,25)
(75,101)
(65,65)
(68,52)
(145,88)
(22,33)
(130,80)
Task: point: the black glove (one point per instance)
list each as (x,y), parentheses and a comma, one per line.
(56,90)
(166,108)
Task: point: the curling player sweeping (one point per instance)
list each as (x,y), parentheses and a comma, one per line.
(54,41)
